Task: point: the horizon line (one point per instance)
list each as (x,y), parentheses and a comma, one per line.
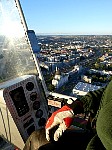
(74,34)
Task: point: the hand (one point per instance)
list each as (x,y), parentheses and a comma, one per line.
(62,117)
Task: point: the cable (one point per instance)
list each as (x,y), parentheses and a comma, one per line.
(4,124)
(8,123)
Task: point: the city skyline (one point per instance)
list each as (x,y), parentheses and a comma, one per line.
(76,17)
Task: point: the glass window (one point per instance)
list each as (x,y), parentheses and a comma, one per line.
(15,55)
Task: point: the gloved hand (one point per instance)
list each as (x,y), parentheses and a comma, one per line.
(62,117)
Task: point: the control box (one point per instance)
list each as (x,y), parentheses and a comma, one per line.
(23,109)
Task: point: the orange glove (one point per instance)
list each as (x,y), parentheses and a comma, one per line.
(62,117)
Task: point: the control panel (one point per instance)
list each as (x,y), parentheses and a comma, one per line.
(26,103)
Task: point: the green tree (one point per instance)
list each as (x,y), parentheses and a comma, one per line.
(51,87)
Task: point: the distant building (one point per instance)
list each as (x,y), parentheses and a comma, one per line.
(59,79)
(86,79)
(76,68)
(33,41)
(101,72)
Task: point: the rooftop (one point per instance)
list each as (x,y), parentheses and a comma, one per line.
(82,88)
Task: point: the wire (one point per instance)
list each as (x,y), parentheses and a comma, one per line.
(4,123)
(8,123)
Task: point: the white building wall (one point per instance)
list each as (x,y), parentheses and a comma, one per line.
(59,82)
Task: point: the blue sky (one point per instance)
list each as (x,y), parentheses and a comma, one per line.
(68,16)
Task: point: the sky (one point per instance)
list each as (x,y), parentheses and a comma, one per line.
(79,17)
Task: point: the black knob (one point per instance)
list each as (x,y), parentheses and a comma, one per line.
(29,86)
(39,113)
(33,96)
(36,105)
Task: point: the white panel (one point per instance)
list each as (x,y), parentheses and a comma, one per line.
(17,101)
